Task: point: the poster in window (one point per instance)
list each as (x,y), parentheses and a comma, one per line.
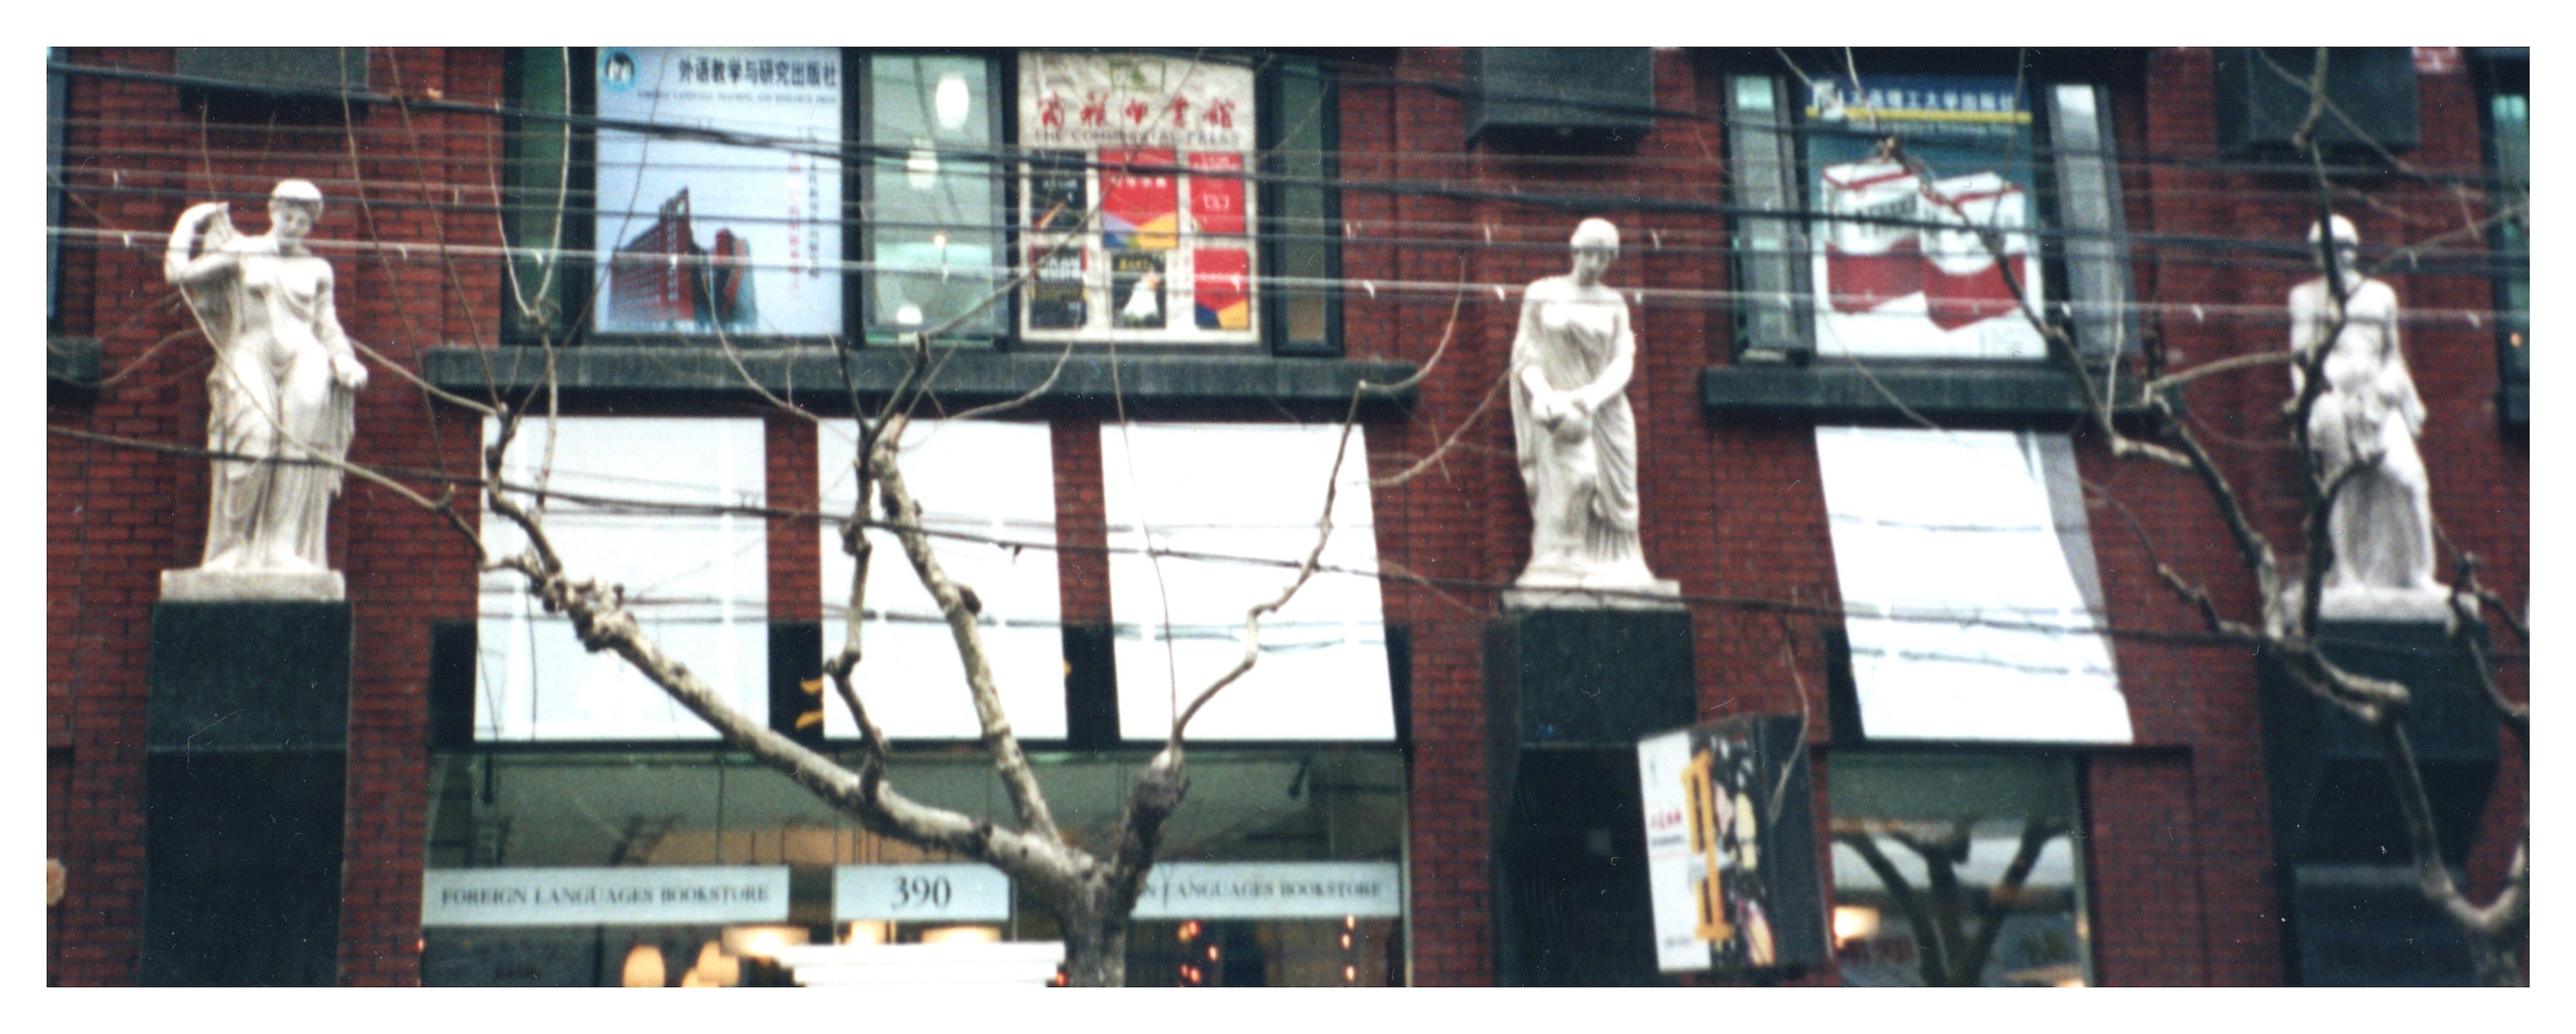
(1058,195)
(701,237)
(1136,287)
(1923,243)
(1139,199)
(1056,291)
(1220,281)
(1216,193)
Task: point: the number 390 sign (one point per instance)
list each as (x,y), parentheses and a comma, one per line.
(920,892)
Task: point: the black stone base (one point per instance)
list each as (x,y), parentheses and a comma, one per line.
(2332,800)
(245,785)
(2370,926)
(1568,693)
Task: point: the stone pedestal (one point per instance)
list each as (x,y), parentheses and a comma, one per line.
(245,745)
(2337,834)
(1568,693)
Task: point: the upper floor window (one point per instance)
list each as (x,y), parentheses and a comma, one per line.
(2508,119)
(1929,197)
(1152,199)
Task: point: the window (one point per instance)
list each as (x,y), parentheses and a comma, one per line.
(701,237)
(699,584)
(1186,489)
(1910,174)
(1969,586)
(990,479)
(1166,200)
(1955,870)
(2508,118)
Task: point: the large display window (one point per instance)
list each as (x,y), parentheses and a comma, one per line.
(1957,870)
(1283,868)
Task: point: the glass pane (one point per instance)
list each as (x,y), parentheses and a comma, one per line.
(2511,119)
(698,583)
(532,294)
(934,212)
(1304,219)
(1957,871)
(706,238)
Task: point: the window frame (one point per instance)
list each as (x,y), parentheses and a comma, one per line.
(1770,165)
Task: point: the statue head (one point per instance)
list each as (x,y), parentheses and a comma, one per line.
(2347,243)
(1596,245)
(293,208)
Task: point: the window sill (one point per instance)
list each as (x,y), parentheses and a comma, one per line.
(1836,389)
(967,377)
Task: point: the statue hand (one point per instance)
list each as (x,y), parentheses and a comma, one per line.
(349,373)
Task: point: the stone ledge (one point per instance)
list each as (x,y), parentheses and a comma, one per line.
(198,585)
(2004,391)
(966,376)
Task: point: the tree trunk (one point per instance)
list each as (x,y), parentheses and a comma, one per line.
(1095,951)
(2494,961)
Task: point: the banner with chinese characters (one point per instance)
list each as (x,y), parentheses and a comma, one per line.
(1137,165)
(1925,183)
(700,237)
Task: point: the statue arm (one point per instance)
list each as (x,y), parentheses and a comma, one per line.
(345,367)
(178,266)
(1526,344)
(2304,329)
(1622,364)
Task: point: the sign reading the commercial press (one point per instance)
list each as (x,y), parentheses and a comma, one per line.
(622,896)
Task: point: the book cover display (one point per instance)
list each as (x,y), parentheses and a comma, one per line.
(1923,242)
(1138,174)
(701,237)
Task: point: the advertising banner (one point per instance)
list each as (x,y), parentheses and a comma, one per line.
(1730,835)
(698,237)
(620,896)
(1888,284)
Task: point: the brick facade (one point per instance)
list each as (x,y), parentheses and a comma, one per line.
(2175,836)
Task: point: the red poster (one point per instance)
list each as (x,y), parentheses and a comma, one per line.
(1222,282)
(1216,199)
(1139,208)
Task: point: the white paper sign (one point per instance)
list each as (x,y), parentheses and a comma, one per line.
(920,892)
(1660,760)
(623,896)
(1272,890)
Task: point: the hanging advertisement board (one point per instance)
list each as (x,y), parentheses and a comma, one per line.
(1730,847)
(699,237)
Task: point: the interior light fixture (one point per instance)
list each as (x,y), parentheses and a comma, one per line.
(645,968)
(1854,923)
(961,935)
(760,942)
(950,100)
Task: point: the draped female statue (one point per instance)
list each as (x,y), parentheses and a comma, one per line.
(2366,416)
(284,382)
(1577,440)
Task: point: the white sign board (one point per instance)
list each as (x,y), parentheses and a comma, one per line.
(1669,859)
(908,893)
(1272,890)
(622,896)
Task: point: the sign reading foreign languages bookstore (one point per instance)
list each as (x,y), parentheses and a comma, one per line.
(634,896)
(1271,890)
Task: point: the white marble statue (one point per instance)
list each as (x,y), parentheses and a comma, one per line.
(283,387)
(2382,522)
(1577,440)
